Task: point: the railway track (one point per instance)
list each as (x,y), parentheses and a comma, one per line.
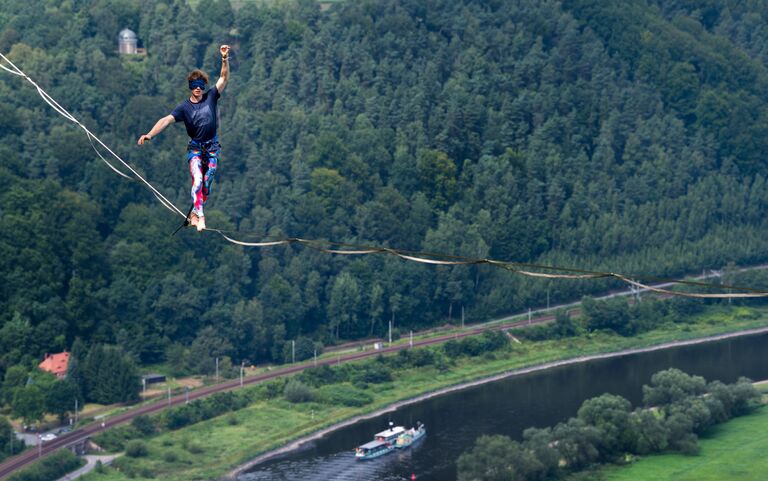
(80,435)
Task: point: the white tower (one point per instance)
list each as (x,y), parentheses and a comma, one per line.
(127,42)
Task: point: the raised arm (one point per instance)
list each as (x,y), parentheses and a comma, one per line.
(224,77)
(159,127)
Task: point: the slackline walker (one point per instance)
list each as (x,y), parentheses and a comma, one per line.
(203,147)
(200,115)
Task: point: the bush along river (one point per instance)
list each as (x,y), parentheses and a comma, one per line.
(507,406)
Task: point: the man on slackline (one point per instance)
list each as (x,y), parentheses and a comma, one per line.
(200,115)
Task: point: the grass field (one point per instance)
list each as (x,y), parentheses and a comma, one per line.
(734,451)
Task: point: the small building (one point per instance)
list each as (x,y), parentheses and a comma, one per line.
(152,378)
(127,42)
(56,364)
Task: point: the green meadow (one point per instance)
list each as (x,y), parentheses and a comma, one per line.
(735,450)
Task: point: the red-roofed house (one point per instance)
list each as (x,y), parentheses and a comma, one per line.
(56,364)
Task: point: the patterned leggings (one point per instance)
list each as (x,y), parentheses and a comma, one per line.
(202,171)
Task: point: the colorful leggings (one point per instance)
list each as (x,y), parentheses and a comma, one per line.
(202,171)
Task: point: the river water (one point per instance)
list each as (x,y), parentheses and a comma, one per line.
(507,406)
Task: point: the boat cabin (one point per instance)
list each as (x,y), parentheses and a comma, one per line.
(390,435)
(372,449)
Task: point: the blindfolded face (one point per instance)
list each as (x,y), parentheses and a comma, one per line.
(197,83)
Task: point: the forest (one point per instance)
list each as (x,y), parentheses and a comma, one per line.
(623,136)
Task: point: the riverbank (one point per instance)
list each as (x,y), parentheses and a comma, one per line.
(516,372)
(234,442)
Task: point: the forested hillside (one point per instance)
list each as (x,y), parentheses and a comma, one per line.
(627,136)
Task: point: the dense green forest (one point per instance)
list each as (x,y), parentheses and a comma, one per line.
(626,136)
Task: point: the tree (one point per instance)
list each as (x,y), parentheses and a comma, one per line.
(492,459)
(203,352)
(8,443)
(437,175)
(15,377)
(745,396)
(344,305)
(111,375)
(610,414)
(670,386)
(611,314)
(29,404)
(61,397)
(651,432)
(577,442)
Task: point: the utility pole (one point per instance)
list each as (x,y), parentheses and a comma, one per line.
(169,395)
(315,357)
(412,335)
(186,394)
(530,315)
(217,369)
(390,333)
(242,367)
(76,413)
(462,317)
(293,352)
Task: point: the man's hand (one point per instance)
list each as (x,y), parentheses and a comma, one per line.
(144,138)
(224,49)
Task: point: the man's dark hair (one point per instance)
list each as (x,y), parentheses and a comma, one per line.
(197,74)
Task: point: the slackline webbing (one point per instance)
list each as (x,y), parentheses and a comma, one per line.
(338,248)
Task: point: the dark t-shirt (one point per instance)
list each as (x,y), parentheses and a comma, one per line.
(200,119)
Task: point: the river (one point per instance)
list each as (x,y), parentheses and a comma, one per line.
(507,406)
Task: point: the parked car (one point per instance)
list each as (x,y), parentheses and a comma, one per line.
(48,437)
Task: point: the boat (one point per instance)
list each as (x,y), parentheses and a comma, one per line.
(410,436)
(373,449)
(382,443)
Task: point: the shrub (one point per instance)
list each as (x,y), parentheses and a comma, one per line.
(115,439)
(322,375)
(297,392)
(416,357)
(452,348)
(274,388)
(374,373)
(170,456)
(136,449)
(144,425)
(180,417)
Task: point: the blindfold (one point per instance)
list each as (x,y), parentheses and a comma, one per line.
(193,84)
